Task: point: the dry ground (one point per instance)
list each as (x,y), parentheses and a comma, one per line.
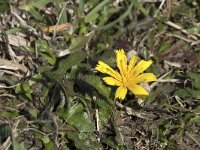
(51,97)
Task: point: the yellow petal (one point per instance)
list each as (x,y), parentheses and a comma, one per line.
(145,77)
(138,90)
(121,62)
(140,67)
(121,92)
(132,63)
(112,81)
(104,68)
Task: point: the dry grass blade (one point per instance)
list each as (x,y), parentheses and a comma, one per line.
(17,40)
(139,114)
(9,65)
(182,30)
(51,97)
(6,145)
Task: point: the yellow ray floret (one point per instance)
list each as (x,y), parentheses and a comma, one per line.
(121,92)
(112,81)
(121,60)
(129,76)
(132,63)
(104,68)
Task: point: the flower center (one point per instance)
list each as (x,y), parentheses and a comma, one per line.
(126,79)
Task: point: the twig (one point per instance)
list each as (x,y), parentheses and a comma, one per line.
(59,17)
(181,29)
(8,87)
(181,37)
(179,101)
(22,22)
(9,48)
(137,113)
(160,7)
(167,80)
(25,25)
(55,124)
(194,139)
(6,145)
(97,118)
(151,1)
(160,79)
(7,95)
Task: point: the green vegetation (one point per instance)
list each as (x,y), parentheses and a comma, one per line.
(51,96)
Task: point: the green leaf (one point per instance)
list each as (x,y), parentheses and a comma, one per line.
(195,119)
(29,96)
(76,117)
(161,26)
(80,41)
(49,145)
(108,58)
(65,114)
(36,14)
(35,3)
(18,145)
(97,84)
(184,93)
(195,76)
(61,11)
(11,114)
(77,43)
(152,97)
(14,30)
(83,141)
(41,136)
(81,7)
(104,110)
(193,30)
(195,93)
(72,60)
(24,89)
(139,5)
(195,79)
(32,6)
(66,63)
(111,24)
(34,112)
(4,6)
(18,89)
(45,51)
(188,92)
(5,132)
(51,60)
(64,18)
(93,15)
(110,141)
(34,79)
(82,122)
(163,47)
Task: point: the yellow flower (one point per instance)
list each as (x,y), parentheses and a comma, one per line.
(129,76)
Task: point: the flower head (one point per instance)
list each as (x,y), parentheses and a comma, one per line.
(129,76)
